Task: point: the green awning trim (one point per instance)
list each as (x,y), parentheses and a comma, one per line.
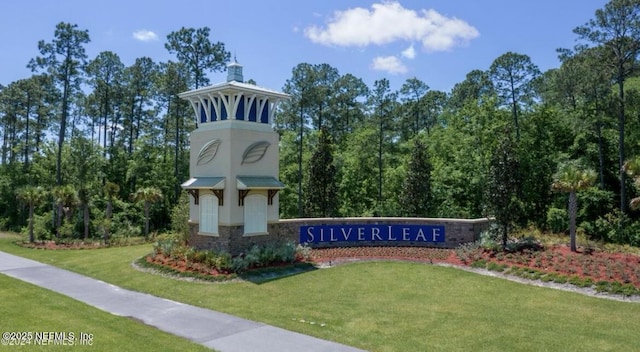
(258,182)
(204,183)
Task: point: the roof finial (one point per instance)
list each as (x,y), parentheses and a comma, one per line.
(234,71)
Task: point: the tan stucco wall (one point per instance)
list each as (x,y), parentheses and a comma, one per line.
(235,137)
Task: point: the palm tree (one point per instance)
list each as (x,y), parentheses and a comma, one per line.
(147,195)
(632,168)
(66,199)
(111,191)
(571,178)
(31,196)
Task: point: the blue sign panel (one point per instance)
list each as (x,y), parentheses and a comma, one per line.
(372,233)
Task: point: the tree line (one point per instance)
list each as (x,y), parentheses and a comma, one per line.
(508,141)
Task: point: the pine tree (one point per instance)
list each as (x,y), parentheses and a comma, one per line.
(502,186)
(416,198)
(322,187)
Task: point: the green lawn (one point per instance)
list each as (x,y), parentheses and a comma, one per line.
(28,308)
(388,306)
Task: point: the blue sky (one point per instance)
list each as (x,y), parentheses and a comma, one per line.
(437,41)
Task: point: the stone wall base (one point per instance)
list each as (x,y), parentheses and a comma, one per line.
(231,239)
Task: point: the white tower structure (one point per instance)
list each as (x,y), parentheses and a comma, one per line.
(233,163)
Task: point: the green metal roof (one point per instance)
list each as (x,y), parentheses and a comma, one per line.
(204,183)
(258,182)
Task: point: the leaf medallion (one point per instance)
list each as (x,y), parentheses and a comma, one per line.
(255,152)
(208,151)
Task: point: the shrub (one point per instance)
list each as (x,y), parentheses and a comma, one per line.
(180,218)
(66,229)
(522,244)
(239,264)
(546,278)
(201,257)
(189,254)
(267,254)
(286,252)
(165,246)
(490,239)
(303,252)
(580,282)
(560,279)
(615,227)
(178,252)
(622,289)
(466,252)
(126,241)
(557,220)
(256,256)
(594,202)
(493,266)
(277,252)
(223,261)
(252,257)
(531,274)
(125,228)
(42,229)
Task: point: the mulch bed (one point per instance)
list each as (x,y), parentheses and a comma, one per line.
(415,254)
(596,265)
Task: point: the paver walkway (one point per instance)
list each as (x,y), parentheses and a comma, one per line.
(213,329)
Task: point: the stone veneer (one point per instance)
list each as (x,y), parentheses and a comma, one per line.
(232,240)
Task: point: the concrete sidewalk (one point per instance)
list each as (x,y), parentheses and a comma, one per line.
(216,330)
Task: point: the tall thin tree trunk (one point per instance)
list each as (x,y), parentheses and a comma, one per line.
(131,128)
(505,236)
(58,216)
(107,225)
(146,219)
(61,134)
(12,139)
(300,164)
(600,144)
(104,134)
(380,164)
(573,210)
(26,142)
(31,237)
(177,151)
(623,200)
(514,108)
(600,154)
(86,219)
(38,130)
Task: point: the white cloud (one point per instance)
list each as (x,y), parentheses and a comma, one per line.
(409,53)
(389,64)
(144,35)
(388,22)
